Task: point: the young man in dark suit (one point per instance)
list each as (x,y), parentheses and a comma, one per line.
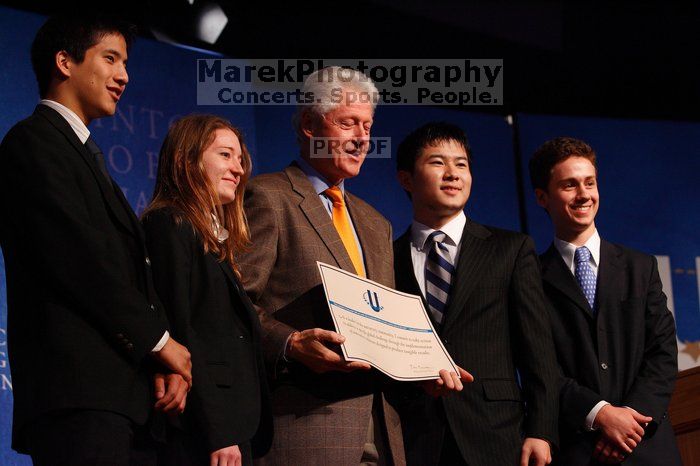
(84,323)
(614,335)
(482,289)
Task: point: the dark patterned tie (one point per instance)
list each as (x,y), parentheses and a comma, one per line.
(584,274)
(99,158)
(438,275)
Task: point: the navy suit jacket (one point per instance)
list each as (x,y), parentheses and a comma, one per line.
(83,315)
(625,352)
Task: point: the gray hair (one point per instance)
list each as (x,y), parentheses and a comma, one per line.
(322,85)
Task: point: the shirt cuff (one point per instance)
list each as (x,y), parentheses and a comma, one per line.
(590,419)
(285,358)
(161,343)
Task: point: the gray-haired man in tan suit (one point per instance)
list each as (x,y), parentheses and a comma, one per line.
(326,410)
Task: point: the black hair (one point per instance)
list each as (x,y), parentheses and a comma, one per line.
(75,35)
(430,134)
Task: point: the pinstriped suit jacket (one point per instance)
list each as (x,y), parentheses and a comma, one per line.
(319,418)
(495,322)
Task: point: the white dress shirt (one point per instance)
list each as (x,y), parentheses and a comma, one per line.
(70,116)
(567,251)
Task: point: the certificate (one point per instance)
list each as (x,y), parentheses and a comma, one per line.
(386,328)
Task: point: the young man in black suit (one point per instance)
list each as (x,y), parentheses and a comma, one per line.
(483,290)
(615,337)
(84,323)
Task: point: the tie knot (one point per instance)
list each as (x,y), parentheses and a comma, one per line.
(335,195)
(437,237)
(582,255)
(92,146)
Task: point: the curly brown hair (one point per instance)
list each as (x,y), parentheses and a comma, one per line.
(553,152)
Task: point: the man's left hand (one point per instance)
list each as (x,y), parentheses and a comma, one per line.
(535,452)
(606,452)
(448,382)
(171,393)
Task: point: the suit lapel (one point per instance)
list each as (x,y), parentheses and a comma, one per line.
(557,274)
(250,314)
(135,223)
(475,249)
(404,272)
(318,217)
(403,266)
(611,277)
(121,212)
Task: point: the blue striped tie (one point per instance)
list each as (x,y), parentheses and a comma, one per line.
(584,274)
(438,275)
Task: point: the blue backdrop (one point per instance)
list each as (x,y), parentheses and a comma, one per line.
(648,183)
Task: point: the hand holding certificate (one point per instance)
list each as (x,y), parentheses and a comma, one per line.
(386,328)
(311,348)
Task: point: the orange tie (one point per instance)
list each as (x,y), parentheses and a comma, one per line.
(341,221)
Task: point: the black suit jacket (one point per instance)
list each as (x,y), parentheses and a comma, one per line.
(625,353)
(210,314)
(82,312)
(495,322)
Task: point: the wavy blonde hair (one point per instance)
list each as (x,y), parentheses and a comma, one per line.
(182,184)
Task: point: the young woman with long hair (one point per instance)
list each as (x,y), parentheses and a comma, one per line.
(194,227)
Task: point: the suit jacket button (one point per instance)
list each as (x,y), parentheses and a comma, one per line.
(604,366)
(130,346)
(148,261)
(153,308)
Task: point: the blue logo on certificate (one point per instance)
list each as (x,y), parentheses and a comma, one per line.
(372,299)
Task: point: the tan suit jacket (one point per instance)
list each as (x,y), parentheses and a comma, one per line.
(319,418)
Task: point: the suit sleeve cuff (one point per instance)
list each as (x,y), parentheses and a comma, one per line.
(285,352)
(590,419)
(161,343)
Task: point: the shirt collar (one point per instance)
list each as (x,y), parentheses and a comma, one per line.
(452,229)
(317,180)
(70,116)
(568,250)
